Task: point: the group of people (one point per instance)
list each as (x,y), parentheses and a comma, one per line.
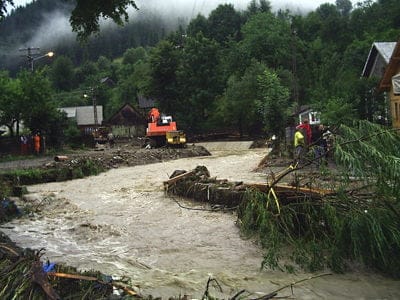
(306,138)
(31,143)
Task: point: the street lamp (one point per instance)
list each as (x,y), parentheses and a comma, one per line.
(32,59)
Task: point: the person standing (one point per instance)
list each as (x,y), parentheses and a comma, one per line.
(36,143)
(319,144)
(307,128)
(110,138)
(299,145)
(24,144)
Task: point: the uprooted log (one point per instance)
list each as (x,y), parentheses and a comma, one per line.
(198,185)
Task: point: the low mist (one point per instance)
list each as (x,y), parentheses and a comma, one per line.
(55,27)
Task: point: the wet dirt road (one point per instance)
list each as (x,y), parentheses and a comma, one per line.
(121,223)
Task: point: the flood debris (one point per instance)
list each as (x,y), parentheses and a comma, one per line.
(24,275)
(198,185)
(60,158)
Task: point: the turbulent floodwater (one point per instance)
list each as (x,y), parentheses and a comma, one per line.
(121,223)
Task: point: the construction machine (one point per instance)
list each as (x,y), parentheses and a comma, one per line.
(162,131)
(100,135)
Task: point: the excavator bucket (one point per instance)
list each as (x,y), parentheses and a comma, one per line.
(176,137)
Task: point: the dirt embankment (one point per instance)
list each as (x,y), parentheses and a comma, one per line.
(120,155)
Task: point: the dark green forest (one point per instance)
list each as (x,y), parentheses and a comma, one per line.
(244,70)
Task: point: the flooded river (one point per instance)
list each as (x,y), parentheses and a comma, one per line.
(121,223)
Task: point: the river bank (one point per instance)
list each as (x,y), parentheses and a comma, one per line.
(122,222)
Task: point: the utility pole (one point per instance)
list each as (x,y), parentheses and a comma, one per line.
(29,54)
(96,121)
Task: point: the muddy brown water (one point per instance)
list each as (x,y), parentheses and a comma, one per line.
(121,223)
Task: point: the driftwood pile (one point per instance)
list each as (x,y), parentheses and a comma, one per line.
(198,185)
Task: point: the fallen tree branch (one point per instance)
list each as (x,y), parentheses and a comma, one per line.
(274,293)
(206,294)
(127,290)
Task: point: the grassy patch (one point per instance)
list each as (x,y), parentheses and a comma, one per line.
(326,233)
(80,169)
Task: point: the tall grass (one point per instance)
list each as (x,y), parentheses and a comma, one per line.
(328,233)
(361,223)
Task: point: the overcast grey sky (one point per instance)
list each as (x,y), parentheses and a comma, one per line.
(198,4)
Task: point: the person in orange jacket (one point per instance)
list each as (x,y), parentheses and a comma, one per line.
(36,143)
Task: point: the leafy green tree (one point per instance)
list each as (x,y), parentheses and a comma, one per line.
(332,25)
(268,39)
(39,110)
(197,25)
(273,105)
(238,107)
(224,23)
(200,81)
(337,111)
(133,55)
(129,85)
(86,14)
(369,152)
(62,73)
(258,6)
(104,64)
(375,18)
(87,74)
(11,102)
(164,61)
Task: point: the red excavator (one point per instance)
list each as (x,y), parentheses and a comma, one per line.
(162,131)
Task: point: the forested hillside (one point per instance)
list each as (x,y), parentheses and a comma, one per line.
(45,24)
(248,70)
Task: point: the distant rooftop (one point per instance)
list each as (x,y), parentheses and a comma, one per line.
(378,58)
(84,114)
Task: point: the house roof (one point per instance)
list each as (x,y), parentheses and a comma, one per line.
(378,58)
(84,114)
(391,69)
(70,111)
(127,115)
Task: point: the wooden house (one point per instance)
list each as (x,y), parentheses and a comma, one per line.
(127,122)
(390,84)
(84,117)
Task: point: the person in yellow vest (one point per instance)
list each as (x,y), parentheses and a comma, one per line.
(299,145)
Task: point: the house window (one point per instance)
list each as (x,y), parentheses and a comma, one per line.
(396,84)
(315,117)
(396,111)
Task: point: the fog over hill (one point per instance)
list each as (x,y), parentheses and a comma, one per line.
(56,25)
(55,28)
